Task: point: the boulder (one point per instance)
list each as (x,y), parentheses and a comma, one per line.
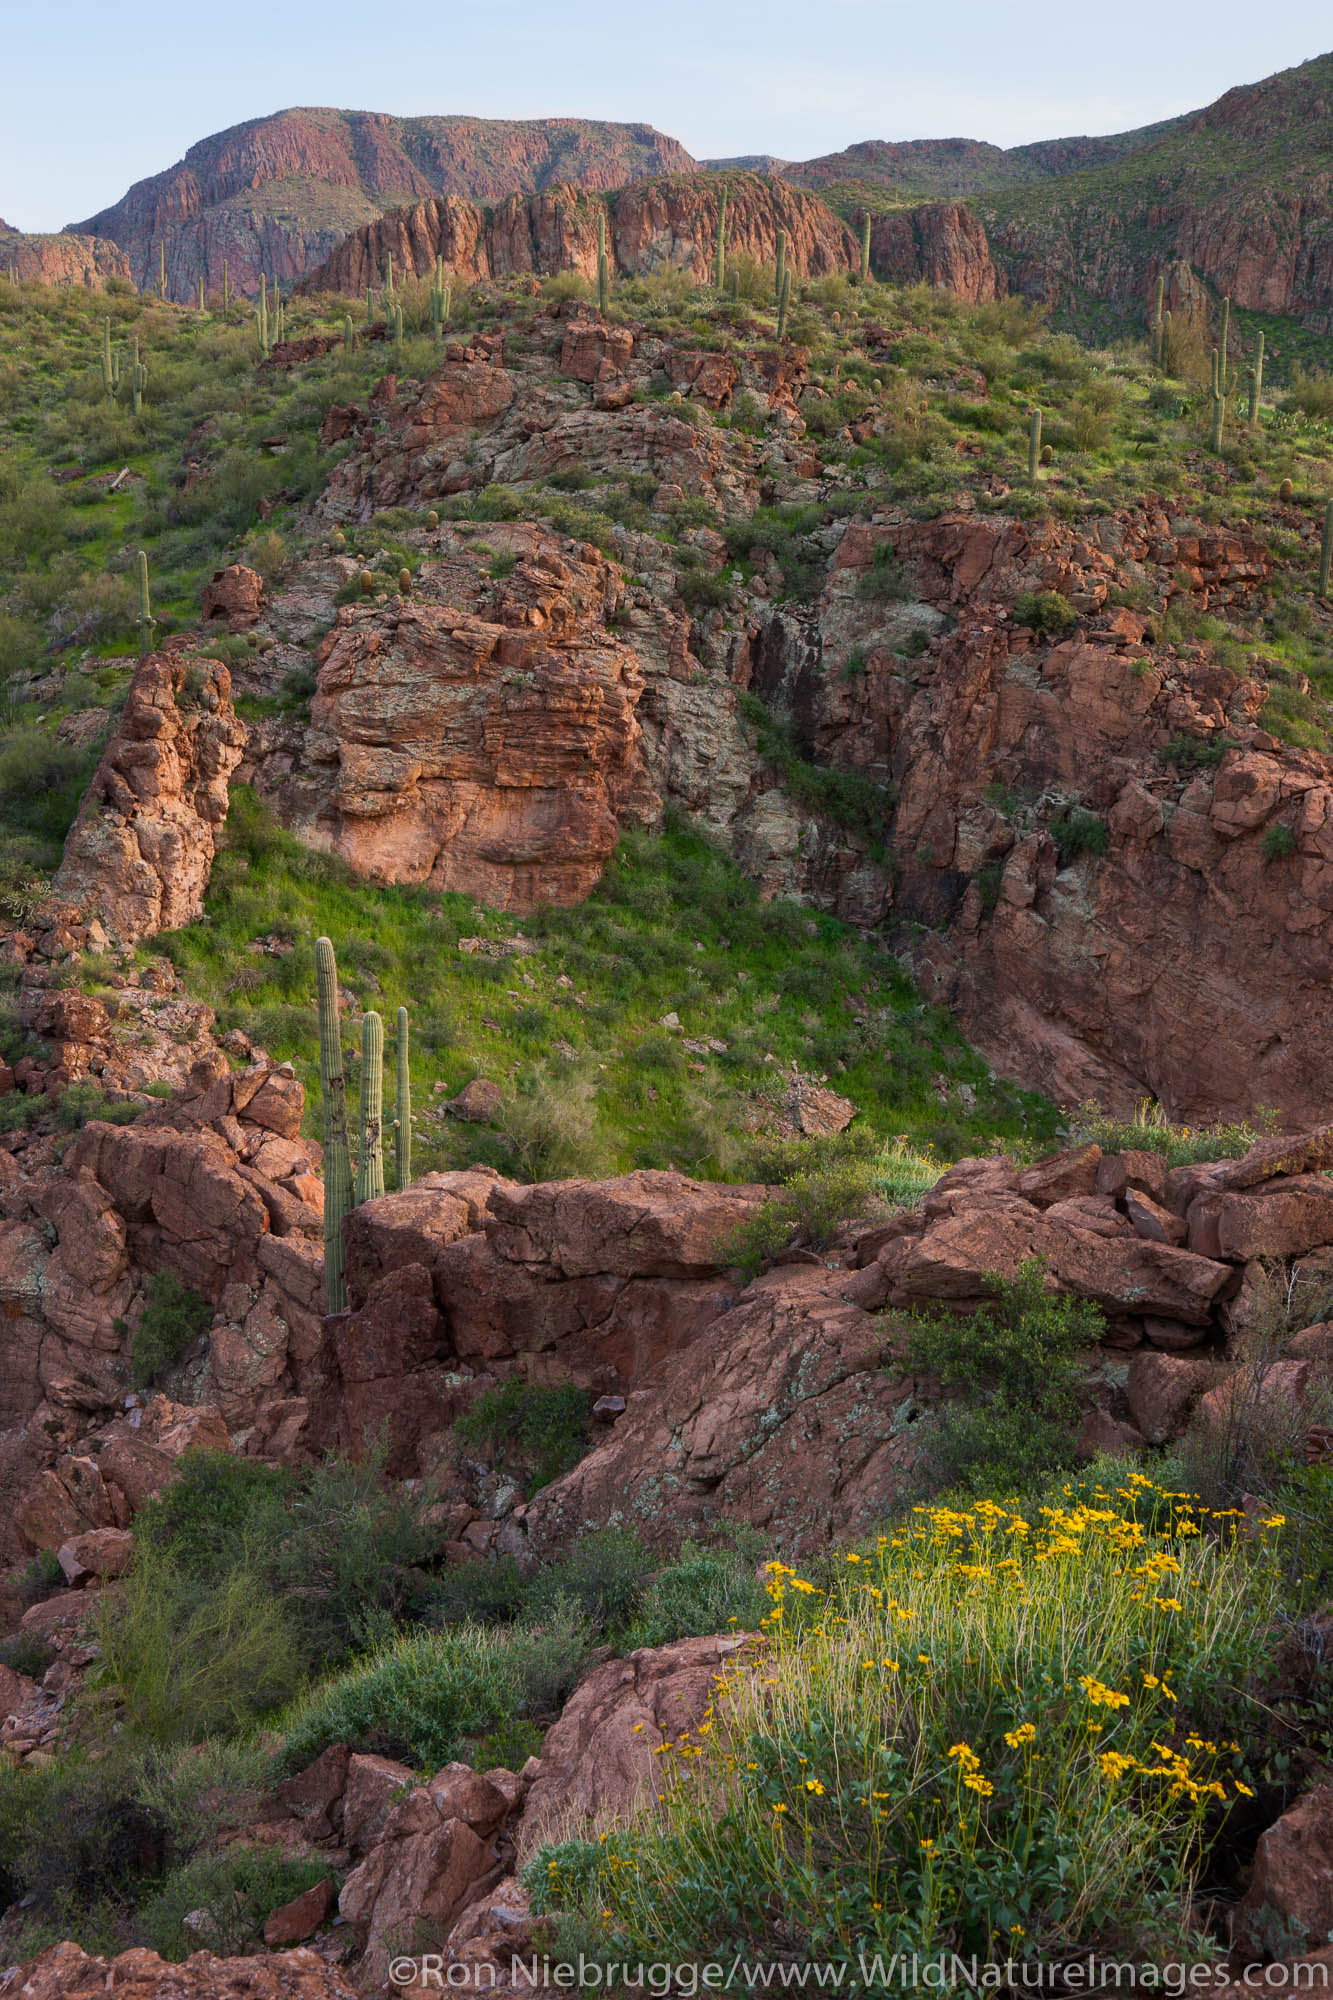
(1060,1176)
(370,1793)
(64,1972)
(292,1923)
(423,1869)
(1292,1878)
(599,1758)
(1162,1390)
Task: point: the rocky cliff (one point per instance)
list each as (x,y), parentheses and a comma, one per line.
(66,259)
(660,224)
(276,194)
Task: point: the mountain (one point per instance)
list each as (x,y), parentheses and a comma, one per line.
(1242,193)
(943,169)
(277,194)
(64,259)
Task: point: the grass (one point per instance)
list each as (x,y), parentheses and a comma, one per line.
(570,1024)
(1149,1130)
(977,1734)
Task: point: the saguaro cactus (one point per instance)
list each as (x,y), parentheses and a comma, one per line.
(388,275)
(146,618)
(226,288)
(603,264)
(720,251)
(201,295)
(1326,552)
(337,1153)
(1257,381)
(1158,325)
(865,247)
(349,333)
(1219,398)
(781,270)
(370,1169)
(441,298)
(162,269)
(1034,445)
(784,300)
(108,372)
(138,378)
(402,1134)
(1222,346)
(261,316)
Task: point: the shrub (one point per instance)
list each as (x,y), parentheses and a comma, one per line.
(27,1653)
(422,1696)
(1077,832)
(1045,612)
(809,1211)
(194,1662)
(1201,753)
(1311,394)
(603,1575)
(703,1591)
(220,1902)
(886,580)
(551,1123)
(1279,840)
(1151,1131)
(174,1316)
(970,1737)
(533,1430)
(1015,1362)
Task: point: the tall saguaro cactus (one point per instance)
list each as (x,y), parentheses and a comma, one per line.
(146,618)
(138,378)
(108,371)
(226,289)
(402,1135)
(1219,394)
(261,315)
(1158,325)
(603,265)
(1034,445)
(865,248)
(337,1152)
(370,1168)
(1326,552)
(1222,346)
(784,300)
(720,251)
(1257,381)
(781,271)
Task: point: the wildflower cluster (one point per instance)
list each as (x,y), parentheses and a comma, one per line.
(974,1729)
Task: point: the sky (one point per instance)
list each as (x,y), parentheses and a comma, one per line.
(96,98)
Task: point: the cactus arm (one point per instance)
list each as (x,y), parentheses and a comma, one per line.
(865,247)
(370,1172)
(337,1153)
(402,1146)
(1257,381)
(1034,445)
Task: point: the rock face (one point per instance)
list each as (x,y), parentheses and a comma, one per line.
(277,194)
(61,260)
(942,244)
(669,223)
(1292,1881)
(139,854)
(1147,967)
(497,755)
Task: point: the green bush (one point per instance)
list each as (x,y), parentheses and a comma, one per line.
(603,1575)
(1078,832)
(1199,753)
(1278,841)
(1151,1131)
(27,1653)
(534,1431)
(422,1696)
(174,1317)
(886,580)
(193,1661)
(1045,612)
(1014,1366)
(551,1124)
(703,1591)
(839,1186)
(236,1891)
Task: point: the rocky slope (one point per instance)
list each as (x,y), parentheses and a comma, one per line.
(276,194)
(1242,192)
(907,169)
(661,224)
(65,259)
(1185,959)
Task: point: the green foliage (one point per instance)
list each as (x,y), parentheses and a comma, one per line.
(532,1430)
(1076,832)
(1197,753)
(27,1653)
(1278,841)
(846,797)
(174,1316)
(1014,1366)
(1151,1131)
(705,1590)
(1046,613)
(236,1890)
(844,1181)
(886,580)
(422,1696)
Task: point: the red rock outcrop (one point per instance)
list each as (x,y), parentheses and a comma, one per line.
(65,1972)
(139,854)
(276,194)
(1291,1884)
(1181,961)
(941,244)
(61,260)
(668,223)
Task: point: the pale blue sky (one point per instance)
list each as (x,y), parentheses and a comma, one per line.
(97,96)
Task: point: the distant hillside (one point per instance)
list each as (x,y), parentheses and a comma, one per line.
(62,259)
(1241,192)
(277,194)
